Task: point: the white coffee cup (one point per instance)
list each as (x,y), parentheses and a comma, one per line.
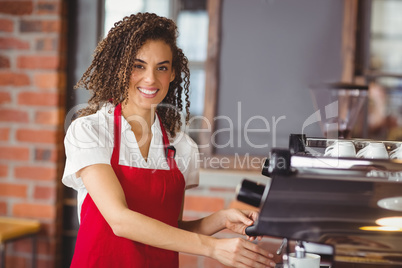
(309,261)
(396,153)
(395,176)
(374,150)
(341,149)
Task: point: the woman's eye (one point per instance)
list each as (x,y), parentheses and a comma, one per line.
(163,68)
(138,66)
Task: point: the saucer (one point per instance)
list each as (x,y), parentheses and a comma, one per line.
(391,203)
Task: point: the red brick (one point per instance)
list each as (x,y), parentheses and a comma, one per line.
(47,193)
(46,44)
(39,26)
(38,62)
(203,203)
(3,170)
(4,62)
(45,246)
(13,261)
(13,79)
(48,262)
(48,7)
(39,211)
(13,190)
(14,153)
(48,117)
(13,43)
(6,25)
(35,173)
(241,205)
(3,208)
(5,97)
(46,80)
(38,98)
(13,115)
(4,134)
(48,247)
(40,136)
(23,245)
(47,155)
(16,7)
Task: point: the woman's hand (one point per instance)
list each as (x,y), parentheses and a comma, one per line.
(238,252)
(238,220)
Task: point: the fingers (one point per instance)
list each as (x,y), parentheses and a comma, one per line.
(253,262)
(253,215)
(252,238)
(237,252)
(255,256)
(257,249)
(239,220)
(244,217)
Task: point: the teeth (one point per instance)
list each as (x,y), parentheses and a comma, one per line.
(146,91)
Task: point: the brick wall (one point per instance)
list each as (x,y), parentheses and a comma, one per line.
(32,93)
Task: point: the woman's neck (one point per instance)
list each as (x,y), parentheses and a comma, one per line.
(139,119)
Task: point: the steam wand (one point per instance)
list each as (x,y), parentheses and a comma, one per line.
(285,255)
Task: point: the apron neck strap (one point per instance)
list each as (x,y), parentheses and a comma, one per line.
(117,134)
(170,151)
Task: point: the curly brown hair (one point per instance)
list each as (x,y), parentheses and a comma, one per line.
(109,73)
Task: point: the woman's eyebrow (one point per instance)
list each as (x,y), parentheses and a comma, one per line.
(140,61)
(160,63)
(163,62)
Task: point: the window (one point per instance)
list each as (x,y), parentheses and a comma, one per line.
(115,10)
(380,64)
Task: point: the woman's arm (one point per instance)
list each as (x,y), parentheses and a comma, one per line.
(107,193)
(233,219)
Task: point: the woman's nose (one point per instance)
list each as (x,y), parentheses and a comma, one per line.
(149,76)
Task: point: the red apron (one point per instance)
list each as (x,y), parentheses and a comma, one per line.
(154,193)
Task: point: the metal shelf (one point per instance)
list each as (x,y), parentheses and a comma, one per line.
(359,143)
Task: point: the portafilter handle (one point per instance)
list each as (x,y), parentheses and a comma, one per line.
(252,230)
(250,192)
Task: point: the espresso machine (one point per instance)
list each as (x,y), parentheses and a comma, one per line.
(331,211)
(346,209)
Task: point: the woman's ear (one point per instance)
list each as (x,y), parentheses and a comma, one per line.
(172,76)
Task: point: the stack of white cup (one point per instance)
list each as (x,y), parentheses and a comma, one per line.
(309,261)
(396,153)
(373,150)
(341,149)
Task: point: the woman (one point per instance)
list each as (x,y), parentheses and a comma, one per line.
(121,159)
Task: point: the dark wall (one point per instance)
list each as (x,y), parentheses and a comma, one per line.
(271,51)
(84,31)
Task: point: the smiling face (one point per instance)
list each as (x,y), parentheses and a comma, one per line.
(151,76)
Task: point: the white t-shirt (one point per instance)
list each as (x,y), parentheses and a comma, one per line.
(90,140)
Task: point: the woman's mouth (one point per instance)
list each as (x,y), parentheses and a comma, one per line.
(148,93)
